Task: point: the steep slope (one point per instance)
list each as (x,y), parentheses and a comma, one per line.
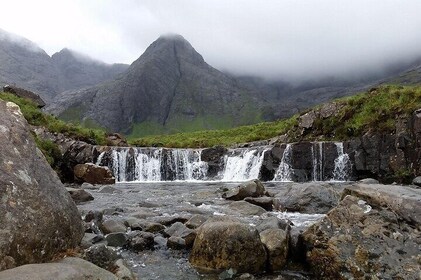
(169,88)
(26,65)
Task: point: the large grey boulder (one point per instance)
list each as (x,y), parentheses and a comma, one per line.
(66,269)
(375,230)
(226,244)
(252,188)
(38,217)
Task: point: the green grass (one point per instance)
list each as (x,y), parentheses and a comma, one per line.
(36,117)
(374,111)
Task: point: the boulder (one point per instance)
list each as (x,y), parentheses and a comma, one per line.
(94,174)
(246,209)
(196,220)
(179,230)
(273,223)
(122,271)
(112,225)
(306,121)
(23,93)
(116,139)
(276,244)
(176,243)
(368,181)
(116,239)
(253,188)
(375,230)
(38,217)
(140,240)
(264,202)
(79,195)
(417,181)
(101,255)
(67,269)
(226,244)
(215,158)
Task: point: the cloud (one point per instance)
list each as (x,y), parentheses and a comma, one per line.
(272,38)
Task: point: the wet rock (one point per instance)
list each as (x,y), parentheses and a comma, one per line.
(113,211)
(91,173)
(368,181)
(273,223)
(90,239)
(140,240)
(215,158)
(176,243)
(101,255)
(109,189)
(68,268)
(153,227)
(79,195)
(116,239)
(276,244)
(122,271)
(226,244)
(38,217)
(160,242)
(179,230)
(310,198)
(264,202)
(249,189)
(196,220)
(88,186)
(94,215)
(169,220)
(375,230)
(143,213)
(111,225)
(247,209)
(133,223)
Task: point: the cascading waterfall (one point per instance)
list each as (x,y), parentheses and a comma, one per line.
(147,165)
(284,171)
(244,164)
(317,153)
(342,169)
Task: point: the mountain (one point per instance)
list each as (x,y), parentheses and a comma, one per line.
(26,65)
(169,88)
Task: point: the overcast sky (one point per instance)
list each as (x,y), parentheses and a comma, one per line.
(272,38)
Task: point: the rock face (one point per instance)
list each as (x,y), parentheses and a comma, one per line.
(38,217)
(221,245)
(375,230)
(93,174)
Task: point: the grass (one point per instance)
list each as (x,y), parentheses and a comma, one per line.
(375,111)
(36,117)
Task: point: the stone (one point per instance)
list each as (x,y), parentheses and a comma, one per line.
(66,269)
(79,195)
(225,244)
(195,221)
(38,217)
(93,174)
(94,215)
(88,186)
(214,157)
(247,209)
(176,243)
(89,239)
(116,139)
(369,181)
(140,240)
(74,152)
(179,230)
(374,230)
(249,189)
(276,243)
(417,181)
(273,223)
(134,223)
(108,189)
(116,239)
(23,93)
(306,121)
(122,271)
(101,255)
(264,202)
(111,225)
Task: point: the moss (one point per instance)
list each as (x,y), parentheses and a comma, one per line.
(51,152)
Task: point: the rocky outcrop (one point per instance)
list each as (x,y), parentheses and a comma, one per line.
(375,230)
(214,158)
(38,217)
(225,243)
(116,139)
(23,93)
(93,174)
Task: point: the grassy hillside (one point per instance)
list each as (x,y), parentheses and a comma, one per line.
(375,110)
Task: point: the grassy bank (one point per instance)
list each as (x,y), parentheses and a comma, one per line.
(375,110)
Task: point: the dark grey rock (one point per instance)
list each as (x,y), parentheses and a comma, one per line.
(264,202)
(140,241)
(176,243)
(79,195)
(111,225)
(248,189)
(116,239)
(101,255)
(245,208)
(179,230)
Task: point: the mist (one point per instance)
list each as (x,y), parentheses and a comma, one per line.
(288,40)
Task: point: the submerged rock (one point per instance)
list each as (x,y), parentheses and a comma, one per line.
(38,217)
(225,244)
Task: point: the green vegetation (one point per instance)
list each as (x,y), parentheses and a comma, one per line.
(51,152)
(36,117)
(375,110)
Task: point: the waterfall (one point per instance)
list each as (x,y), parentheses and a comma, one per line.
(147,165)
(99,159)
(284,171)
(342,169)
(244,164)
(317,153)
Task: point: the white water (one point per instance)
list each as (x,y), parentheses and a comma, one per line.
(147,165)
(342,169)
(243,165)
(284,171)
(317,152)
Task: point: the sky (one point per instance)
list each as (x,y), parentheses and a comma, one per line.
(276,39)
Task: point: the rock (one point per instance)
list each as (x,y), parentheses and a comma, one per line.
(176,243)
(249,189)
(143,213)
(66,269)
(116,239)
(179,230)
(122,271)
(88,186)
(140,240)
(368,181)
(160,241)
(116,139)
(310,198)
(133,223)
(101,255)
(94,215)
(214,157)
(79,195)
(417,181)
(375,230)
(306,121)
(23,93)
(111,225)
(226,244)
(74,152)
(264,202)
(276,244)
(91,173)
(153,227)
(169,220)
(90,239)
(196,220)
(38,217)
(108,189)
(273,223)
(247,209)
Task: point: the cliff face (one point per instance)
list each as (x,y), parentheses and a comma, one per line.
(169,88)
